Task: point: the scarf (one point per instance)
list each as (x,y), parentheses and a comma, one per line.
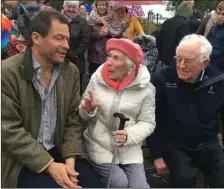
(114,84)
(110,20)
(210,23)
(69,18)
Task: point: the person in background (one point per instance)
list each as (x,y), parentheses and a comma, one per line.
(79,35)
(151,54)
(135,27)
(46,4)
(26,12)
(112,88)
(172,31)
(216,38)
(8,32)
(196,18)
(82,10)
(41,133)
(207,24)
(104,24)
(189,93)
(14,7)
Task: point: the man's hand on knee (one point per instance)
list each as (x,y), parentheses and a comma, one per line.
(161,166)
(70,163)
(61,174)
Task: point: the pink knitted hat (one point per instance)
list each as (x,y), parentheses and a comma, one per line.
(129,48)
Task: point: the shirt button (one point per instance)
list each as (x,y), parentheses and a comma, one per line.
(45,112)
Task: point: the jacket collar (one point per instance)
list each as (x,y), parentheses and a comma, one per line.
(76,19)
(27,65)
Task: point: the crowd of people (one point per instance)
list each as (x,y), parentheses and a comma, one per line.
(56,133)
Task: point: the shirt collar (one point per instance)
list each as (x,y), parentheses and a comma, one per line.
(200,78)
(36,65)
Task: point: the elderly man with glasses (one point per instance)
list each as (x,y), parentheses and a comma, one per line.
(189,93)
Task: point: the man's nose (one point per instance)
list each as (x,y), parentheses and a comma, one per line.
(182,64)
(65,44)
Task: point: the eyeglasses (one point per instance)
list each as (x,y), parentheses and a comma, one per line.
(186,61)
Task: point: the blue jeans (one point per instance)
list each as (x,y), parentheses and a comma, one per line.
(124,176)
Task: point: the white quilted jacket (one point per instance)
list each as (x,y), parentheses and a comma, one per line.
(137,102)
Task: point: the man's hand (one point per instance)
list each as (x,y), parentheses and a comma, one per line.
(61,174)
(161,167)
(88,104)
(120,137)
(71,165)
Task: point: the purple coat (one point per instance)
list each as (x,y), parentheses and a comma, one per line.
(97,48)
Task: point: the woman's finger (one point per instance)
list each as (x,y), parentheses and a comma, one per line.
(90,95)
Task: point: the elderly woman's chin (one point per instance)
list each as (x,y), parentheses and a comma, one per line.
(111,75)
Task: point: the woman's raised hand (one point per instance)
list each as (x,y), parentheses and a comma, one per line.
(88,103)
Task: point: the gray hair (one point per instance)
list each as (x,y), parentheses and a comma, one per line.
(192,39)
(73,3)
(130,64)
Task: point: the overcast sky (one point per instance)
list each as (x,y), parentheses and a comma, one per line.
(161,9)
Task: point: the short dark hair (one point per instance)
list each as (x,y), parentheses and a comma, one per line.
(41,23)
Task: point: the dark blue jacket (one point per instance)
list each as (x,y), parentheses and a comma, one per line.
(216,38)
(185,113)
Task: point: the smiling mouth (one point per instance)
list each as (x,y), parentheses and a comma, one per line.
(62,54)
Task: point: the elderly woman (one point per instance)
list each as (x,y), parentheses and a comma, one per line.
(121,84)
(104,25)
(79,35)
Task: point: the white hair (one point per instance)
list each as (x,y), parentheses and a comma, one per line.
(130,64)
(192,39)
(73,3)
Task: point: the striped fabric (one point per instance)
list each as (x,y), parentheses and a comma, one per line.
(49,105)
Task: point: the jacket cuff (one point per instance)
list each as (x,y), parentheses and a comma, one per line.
(85,115)
(46,166)
(71,156)
(129,139)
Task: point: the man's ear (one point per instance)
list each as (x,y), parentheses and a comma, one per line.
(36,38)
(206,63)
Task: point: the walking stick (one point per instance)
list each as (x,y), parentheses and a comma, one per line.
(123,119)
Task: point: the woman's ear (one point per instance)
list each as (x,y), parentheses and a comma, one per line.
(132,68)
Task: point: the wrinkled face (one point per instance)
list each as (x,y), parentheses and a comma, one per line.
(188,63)
(54,46)
(117,67)
(220,16)
(70,10)
(190,2)
(102,7)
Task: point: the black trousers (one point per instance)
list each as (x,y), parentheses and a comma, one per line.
(183,164)
(88,178)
